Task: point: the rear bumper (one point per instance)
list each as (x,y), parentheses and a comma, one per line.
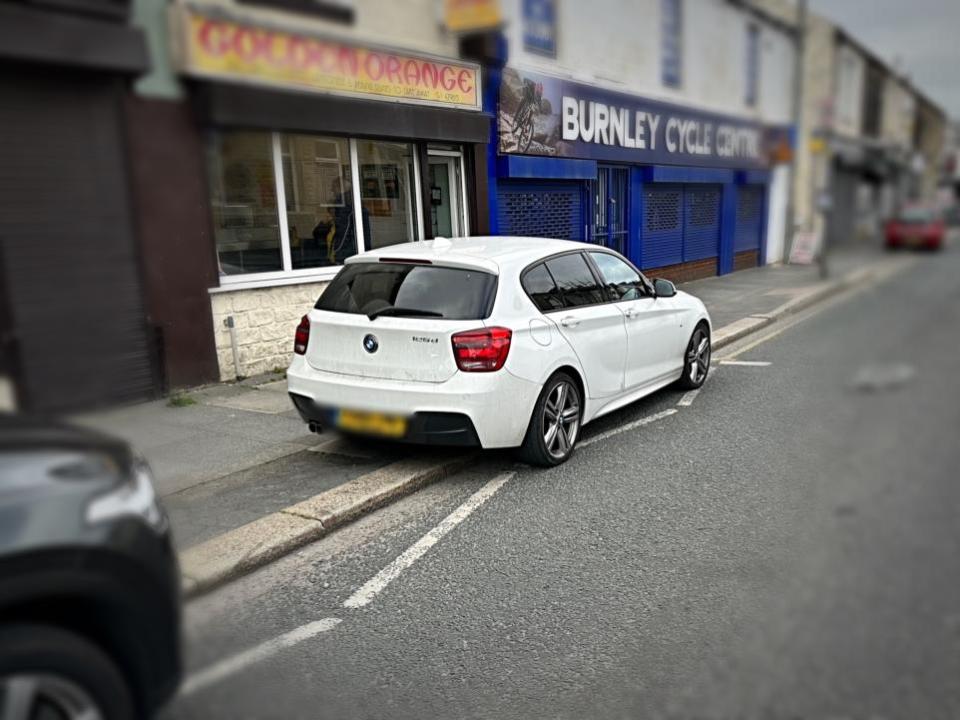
(427,428)
(487,409)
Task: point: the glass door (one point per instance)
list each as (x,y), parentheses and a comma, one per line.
(446,194)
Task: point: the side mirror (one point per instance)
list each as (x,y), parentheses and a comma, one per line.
(664,288)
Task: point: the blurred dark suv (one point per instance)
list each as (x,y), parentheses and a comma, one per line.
(89,584)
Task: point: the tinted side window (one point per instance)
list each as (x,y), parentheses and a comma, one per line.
(622,281)
(576,282)
(539,285)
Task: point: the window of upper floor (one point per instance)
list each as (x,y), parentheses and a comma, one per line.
(671,42)
(752,66)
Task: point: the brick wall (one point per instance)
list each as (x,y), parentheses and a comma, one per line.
(265,320)
(746,259)
(684,272)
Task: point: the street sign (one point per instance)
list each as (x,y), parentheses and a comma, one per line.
(804,249)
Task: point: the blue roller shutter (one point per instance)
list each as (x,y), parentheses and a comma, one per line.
(662,225)
(701,222)
(749,218)
(541,209)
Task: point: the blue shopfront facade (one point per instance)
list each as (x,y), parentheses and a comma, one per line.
(676,189)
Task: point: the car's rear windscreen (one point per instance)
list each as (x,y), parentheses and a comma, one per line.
(917,216)
(406,290)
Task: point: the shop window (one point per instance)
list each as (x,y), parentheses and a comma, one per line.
(319,200)
(285,205)
(386,172)
(244,203)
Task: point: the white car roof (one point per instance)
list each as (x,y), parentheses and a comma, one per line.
(494,254)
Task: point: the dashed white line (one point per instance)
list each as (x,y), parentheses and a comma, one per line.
(365,594)
(746,363)
(235,663)
(688,398)
(629,426)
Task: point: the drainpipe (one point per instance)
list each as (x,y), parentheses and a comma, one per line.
(800,145)
(233,344)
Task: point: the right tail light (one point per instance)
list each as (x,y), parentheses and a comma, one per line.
(482,350)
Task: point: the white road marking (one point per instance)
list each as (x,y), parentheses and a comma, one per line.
(629,426)
(369,590)
(688,398)
(235,663)
(746,363)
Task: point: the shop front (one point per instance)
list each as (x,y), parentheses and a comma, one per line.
(683,193)
(315,150)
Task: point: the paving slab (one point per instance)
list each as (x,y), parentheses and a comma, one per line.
(261,401)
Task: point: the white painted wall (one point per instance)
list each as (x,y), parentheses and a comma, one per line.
(616,44)
(776,215)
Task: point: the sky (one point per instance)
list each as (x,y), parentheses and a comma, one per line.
(923,34)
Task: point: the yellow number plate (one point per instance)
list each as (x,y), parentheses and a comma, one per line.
(372,423)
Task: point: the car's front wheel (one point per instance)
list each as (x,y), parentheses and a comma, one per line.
(49,672)
(696,359)
(555,423)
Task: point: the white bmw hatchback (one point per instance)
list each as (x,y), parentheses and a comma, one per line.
(493,342)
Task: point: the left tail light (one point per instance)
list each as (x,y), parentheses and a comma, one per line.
(482,350)
(302,337)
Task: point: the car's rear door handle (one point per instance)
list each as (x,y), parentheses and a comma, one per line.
(569,321)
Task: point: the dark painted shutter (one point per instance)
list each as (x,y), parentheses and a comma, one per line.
(749,218)
(541,209)
(65,231)
(701,222)
(662,225)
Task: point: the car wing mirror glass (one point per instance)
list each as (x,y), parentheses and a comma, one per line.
(664,288)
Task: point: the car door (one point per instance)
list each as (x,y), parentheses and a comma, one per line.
(592,325)
(652,324)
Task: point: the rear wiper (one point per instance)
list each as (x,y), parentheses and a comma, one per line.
(410,312)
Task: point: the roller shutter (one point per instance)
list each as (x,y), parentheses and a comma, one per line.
(701,222)
(662,225)
(749,218)
(541,209)
(72,276)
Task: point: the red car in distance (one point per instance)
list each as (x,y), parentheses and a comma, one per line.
(916,226)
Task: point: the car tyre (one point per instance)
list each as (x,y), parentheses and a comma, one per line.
(64,669)
(696,359)
(555,423)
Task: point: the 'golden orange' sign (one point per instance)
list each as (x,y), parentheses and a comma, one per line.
(471,15)
(224,48)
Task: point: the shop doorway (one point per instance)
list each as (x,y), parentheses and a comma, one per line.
(447,200)
(610,193)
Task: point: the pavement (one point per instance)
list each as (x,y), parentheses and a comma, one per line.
(783,544)
(245,483)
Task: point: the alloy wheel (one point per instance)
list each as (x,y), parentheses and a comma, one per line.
(561,419)
(698,357)
(26,696)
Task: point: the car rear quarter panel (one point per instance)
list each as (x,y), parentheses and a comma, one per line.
(537,349)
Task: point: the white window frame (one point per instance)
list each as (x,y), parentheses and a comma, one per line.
(464,209)
(288,275)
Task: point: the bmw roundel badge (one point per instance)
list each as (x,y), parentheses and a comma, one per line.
(370,343)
